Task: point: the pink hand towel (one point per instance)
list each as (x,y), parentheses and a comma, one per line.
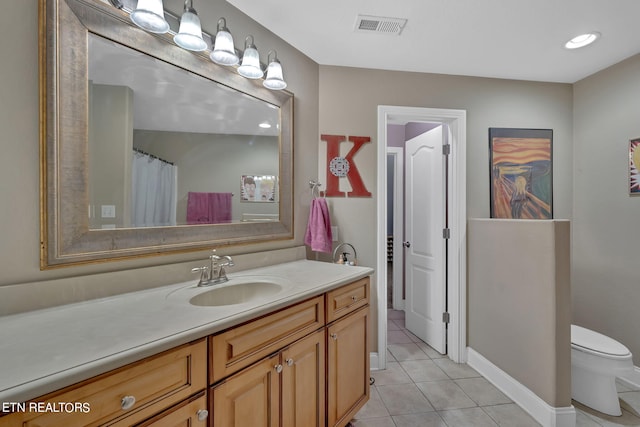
(197,208)
(220,207)
(208,208)
(318,235)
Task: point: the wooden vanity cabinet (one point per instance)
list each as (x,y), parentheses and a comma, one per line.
(347,352)
(285,389)
(321,379)
(125,396)
(270,371)
(306,365)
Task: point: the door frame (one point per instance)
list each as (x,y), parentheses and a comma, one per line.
(456,253)
(398,224)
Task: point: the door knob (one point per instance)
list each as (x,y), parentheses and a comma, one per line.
(406,244)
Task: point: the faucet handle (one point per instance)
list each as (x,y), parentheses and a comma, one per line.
(204,272)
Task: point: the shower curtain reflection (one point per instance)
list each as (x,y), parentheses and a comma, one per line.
(154,192)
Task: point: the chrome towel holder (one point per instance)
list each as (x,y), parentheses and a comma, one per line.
(315,188)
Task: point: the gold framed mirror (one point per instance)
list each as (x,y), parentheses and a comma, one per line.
(89,142)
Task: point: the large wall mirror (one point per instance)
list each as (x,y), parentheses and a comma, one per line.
(148,148)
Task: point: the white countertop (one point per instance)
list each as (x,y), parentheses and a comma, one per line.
(45,350)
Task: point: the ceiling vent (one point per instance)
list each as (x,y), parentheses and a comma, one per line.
(379,24)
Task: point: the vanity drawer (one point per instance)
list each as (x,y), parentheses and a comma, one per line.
(155,383)
(347,299)
(239,347)
(192,413)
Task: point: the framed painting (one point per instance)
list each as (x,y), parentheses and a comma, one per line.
(634,167)
(521,173)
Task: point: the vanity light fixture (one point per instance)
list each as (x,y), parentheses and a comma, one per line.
(274,79)
(190,33)
(264,125)
(250,67)
(224,51)
(582,40)
(149,15)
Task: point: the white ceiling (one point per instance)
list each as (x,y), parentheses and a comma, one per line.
(513,39)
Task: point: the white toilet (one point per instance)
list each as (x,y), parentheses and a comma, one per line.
(596,361)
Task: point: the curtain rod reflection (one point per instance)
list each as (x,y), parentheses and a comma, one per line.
(151,155)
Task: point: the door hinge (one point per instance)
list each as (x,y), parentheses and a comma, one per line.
(445,317)
(446,233)
(446,149)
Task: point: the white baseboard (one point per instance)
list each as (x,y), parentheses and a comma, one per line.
(374,362)
(540,410)
(633,379)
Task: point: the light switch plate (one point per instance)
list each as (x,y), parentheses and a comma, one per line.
(108,211)
(334,233)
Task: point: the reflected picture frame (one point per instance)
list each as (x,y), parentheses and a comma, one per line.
(258,189)
(634,167)
(521,173)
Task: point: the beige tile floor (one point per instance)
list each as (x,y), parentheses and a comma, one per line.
(423,388)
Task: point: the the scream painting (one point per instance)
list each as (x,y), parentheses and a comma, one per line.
(521,173)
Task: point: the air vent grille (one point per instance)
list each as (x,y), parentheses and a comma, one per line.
(379,24)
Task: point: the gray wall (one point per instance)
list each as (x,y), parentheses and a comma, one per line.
(110,154)
(19,164)
(606,277)
(519,294)
(349,98)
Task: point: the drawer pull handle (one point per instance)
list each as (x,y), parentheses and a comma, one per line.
(334,336)
(202,414)
(278,368)
(354,298)
(127,402)
(289,362)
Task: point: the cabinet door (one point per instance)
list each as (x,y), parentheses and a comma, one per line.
(250,397)
(303,382)
(347,367)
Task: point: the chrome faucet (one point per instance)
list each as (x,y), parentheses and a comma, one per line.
(214,274)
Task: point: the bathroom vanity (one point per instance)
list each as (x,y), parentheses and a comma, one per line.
(293,355)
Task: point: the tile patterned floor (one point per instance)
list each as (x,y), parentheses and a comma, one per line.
(423,388)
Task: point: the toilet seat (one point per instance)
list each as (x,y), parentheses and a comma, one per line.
(592,342)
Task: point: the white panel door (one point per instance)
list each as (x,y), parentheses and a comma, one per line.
(425,260)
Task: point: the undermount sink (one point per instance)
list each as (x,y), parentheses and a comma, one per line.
(235,294)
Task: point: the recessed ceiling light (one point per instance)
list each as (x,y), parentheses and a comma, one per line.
(582,40)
